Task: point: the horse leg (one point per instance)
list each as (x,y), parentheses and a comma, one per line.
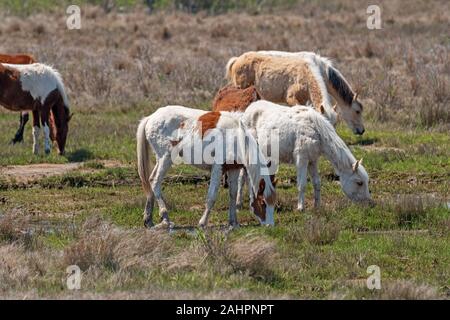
(302,172)
(214,183)
(233,178)
(163,166)
(150,203)
(24,117)
(241,183)
(315,177)
(36,131)
(225,180)
(45,117)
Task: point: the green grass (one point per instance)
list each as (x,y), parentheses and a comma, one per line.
(319,253)
(26,7)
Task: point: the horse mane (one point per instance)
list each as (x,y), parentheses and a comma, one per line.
(61,88)
(339,84)
(315,72)
(254,168)
(334,76)
(332,145)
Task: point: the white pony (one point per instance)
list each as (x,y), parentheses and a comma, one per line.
(172,130)
(348,105)
(304,135)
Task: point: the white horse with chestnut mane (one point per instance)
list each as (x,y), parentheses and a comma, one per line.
(305,135)
(175,129)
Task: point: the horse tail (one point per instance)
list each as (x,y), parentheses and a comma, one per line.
(143,157)
(230,64)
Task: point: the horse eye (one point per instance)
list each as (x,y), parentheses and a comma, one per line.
(359,183)
(358,112)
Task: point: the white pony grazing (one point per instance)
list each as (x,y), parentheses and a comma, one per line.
(304,135)
(175,131)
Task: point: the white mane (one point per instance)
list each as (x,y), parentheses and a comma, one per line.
(40,79)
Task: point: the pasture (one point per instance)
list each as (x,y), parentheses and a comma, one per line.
(85,207)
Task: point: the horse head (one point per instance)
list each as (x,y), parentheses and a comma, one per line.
(263,205)
(355,183)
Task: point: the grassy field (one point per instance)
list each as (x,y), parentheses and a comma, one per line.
(123,66)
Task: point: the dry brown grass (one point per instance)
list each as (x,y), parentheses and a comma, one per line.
(113,258)
(252,255)
(125,59)
(316,231)
(390,290)
(101,245)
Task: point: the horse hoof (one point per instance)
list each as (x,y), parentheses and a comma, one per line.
(148,224)
(202,225)
(47,151)
(233,226)
(165,224)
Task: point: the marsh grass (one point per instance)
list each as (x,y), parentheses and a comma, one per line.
(132,63)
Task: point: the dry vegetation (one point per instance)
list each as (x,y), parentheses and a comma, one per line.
(121,66)
(123,59)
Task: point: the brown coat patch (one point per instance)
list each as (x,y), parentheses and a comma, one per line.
(12,96)
(17,59)
(259,204)
(208,121)
(231,98)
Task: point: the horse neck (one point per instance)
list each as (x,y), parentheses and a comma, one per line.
(254,162)
(333,147)
(338,86)
(318,91)
(317,87)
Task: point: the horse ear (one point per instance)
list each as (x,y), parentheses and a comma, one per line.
(335,107)
(322,109)
(355,97)
(70,117)
(356,165)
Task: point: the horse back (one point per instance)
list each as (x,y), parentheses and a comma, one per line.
(231,98)
(17,59)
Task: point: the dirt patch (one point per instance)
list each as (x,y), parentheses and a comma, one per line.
(33,172)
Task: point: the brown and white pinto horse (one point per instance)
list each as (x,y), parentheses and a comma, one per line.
(174,130)
(38,88)
(24,116)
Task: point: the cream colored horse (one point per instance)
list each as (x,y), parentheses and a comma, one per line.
(282,80)
(349,107)
(313,70)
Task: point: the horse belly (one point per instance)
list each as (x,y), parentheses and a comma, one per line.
(272,86)
(19,100)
